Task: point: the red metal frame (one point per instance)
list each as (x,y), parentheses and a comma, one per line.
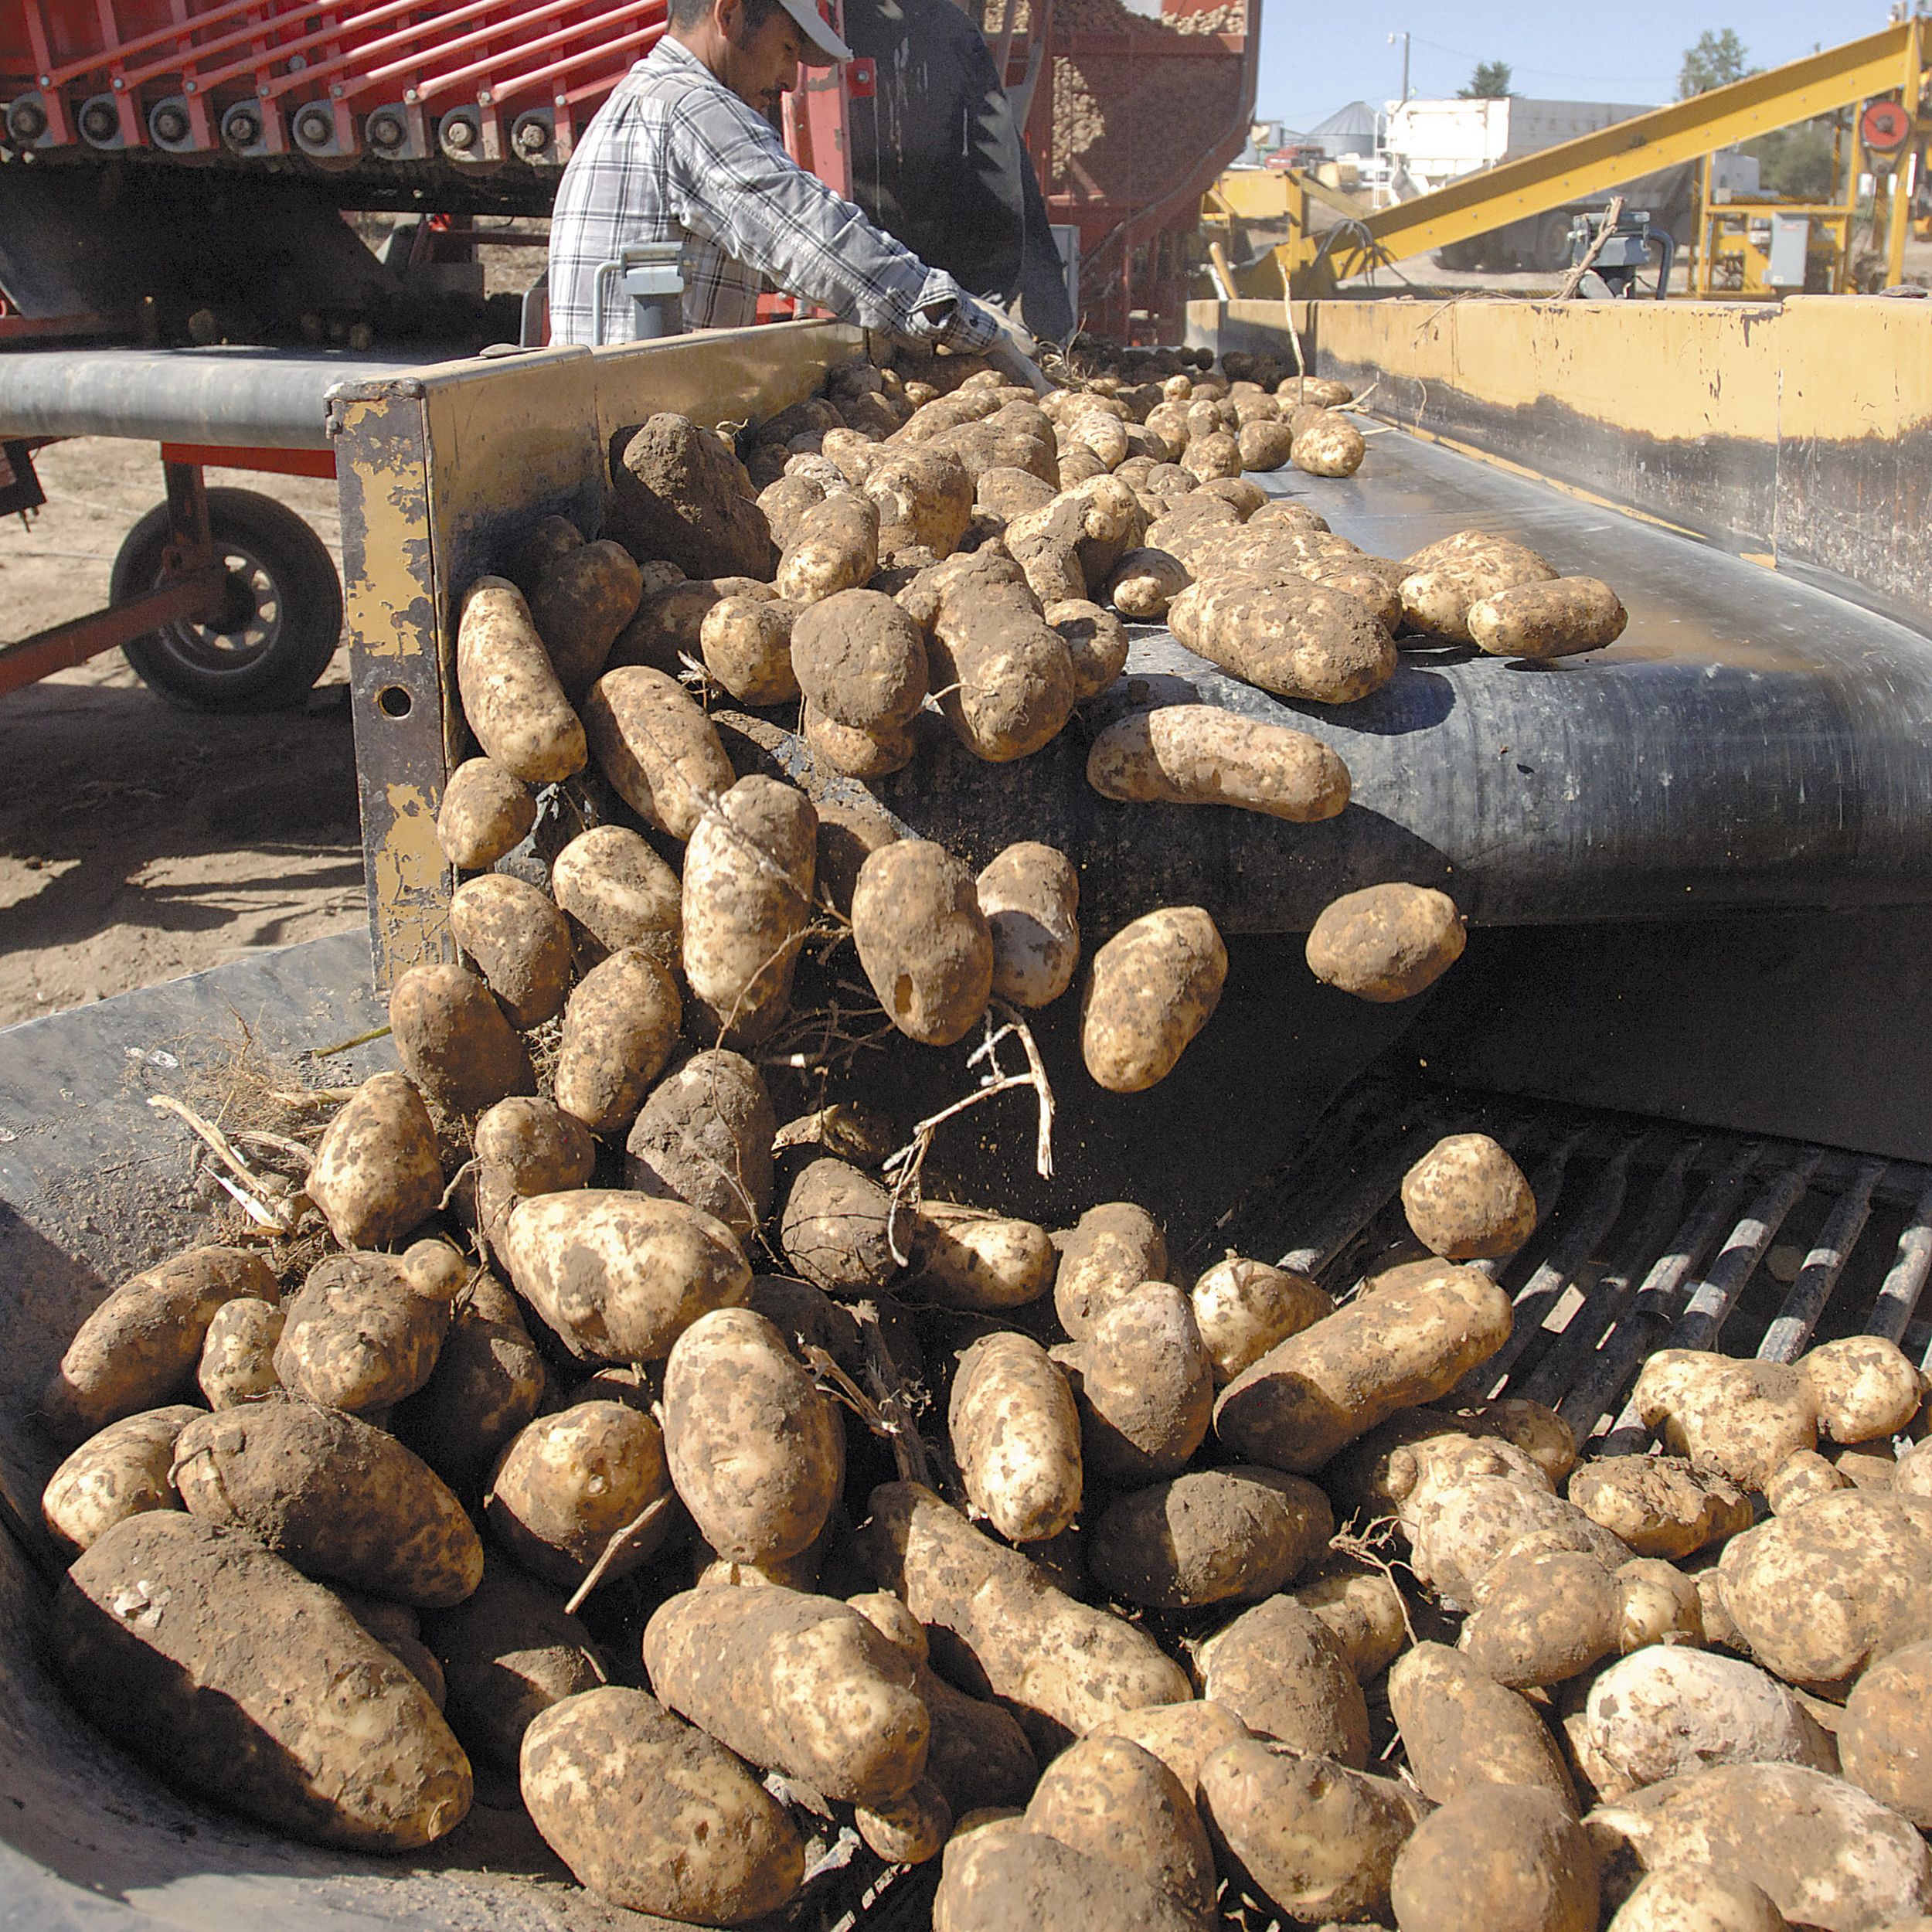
(216,455)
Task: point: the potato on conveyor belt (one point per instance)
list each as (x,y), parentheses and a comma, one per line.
(365,1329)
(237,1679)
(923,940)
(1151,989)
(453,1040)
(1189,754)
(487,811)
(1295,639)
(617,892)
(678,492)
(119,1472)
(511,696)
(377,1173)
(1016,1438)
(704,1136)
(746,644)
(519,942)
(579,604)
(656,746)
(1553,620)
(1330,445)
(1386,942)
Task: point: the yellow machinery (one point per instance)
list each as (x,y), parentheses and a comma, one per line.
(1315,257)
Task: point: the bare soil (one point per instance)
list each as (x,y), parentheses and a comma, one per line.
(137,842)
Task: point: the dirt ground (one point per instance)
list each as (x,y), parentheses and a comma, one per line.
(138,842)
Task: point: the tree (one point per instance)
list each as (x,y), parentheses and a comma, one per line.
(1715,61)
(1797,163)
(1490,82)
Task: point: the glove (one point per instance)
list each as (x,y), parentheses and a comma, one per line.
(1011,349)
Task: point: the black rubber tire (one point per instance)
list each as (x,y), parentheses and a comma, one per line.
(1552,244)
(283,624)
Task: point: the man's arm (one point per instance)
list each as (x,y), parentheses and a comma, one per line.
(736,186)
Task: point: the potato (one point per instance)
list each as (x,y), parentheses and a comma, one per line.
(978,1755)
(580,601)
(486,812)
(1115,1247)
(548,539)
(861,660)
(1463,1731)
(1467,1200)
(756,1453)
(704,1136)
(1282,1672)
(668,628)
(489,1381)
(1385,942)
(509,1652)
(746,643)
(747,901)
(618,1030)
(1215,453)
(1657,1505)
(140,1347)
(231,1676)
(538,1147)
(857,754)
(793,1682)
(657,748)
(1016,1438)
(1106,436)
(1461,1526)
(1002,675)
(1143,1385)
(1556,619)
(1316,1392)
(1002,1875)
(651,1814)
(454,1041)
(238,1355)
(1001,1618)
(837,1229)
(1821,1595)
(1865,1388)
(512,699)
(1322,391)
(1689,1898)
(834,546)
(1549,1613)
(1198,755)
(618,893)
(571,1481)
(377,1173)
(1739,1420)
(1030,895)
(1100,519)
(1314,1837)
(1826,1854)
(923,940)
(1183,1735)
(1363,1611)
(968,1257)
(334,1495)
(1152,988)
(1438,596)
(1665,1710)
(1096,643)
(679,492)
(1143,583)
(1510,1861)
(1329,446)
(924,498)
(1296,639)
(363,1332)
(1264,445)
(1883,1739)
(1244,1308)
(516,937)
(121,1472)
(618,1276)
(785,500)
(1800,1479)
(1212,1536)
(1121,1805)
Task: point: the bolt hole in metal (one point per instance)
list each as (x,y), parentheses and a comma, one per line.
(393,701)
(1650,1235)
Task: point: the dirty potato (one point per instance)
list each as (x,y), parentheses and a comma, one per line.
(1153,986)
(1016,1438)
(512,699)
(1282,1670)
(1386,942)
(1143,583)
(377,1174)
(487,811)
(923,940)
(579,604)
(617,892)
(1557,619)
(1031,894)
(1143,1385)
(238,1355)
(1329,446)
(860,659)
(833,546)
(453,1040)
(654,744)
(836,1229)
(365,1330)
(704,1136)
(969,1257)
(1467,1200)
(516,937)
(1244,1308)
(746,644)
(1114,1248)
(1194,754)
(618,1030)
(121,1472)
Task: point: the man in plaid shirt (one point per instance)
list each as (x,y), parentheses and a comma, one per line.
(683,151)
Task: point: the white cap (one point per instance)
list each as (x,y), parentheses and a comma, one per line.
(822,46)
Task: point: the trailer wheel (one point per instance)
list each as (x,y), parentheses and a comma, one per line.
(282,625)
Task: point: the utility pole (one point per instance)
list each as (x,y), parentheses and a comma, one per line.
(1403,37)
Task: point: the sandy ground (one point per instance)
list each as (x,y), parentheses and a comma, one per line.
(138,842)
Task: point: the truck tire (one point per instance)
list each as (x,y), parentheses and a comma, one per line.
(283,621)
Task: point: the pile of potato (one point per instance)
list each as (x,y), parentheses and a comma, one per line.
(687,1474)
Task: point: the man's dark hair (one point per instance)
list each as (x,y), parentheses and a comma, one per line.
(688,13)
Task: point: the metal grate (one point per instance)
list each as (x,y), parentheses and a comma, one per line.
(1650,1235)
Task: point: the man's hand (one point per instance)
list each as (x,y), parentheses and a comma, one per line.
(1006,345)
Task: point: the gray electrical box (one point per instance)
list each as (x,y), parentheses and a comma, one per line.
(1790,247)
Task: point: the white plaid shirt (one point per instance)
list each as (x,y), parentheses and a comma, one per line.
(674,155)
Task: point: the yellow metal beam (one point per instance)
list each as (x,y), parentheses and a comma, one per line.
(1839,76)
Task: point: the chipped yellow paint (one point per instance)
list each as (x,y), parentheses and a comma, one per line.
(377,599)
(410,878)
(1762,559)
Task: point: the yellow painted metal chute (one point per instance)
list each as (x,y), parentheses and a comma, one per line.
(1317,256)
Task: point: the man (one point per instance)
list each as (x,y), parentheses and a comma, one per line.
(682,150)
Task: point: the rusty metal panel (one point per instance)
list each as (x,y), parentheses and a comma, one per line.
(442,471)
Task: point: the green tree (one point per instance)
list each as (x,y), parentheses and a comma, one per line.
(1715,61)
(1490,82)
(1797,162)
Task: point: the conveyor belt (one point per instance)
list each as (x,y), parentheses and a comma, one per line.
(246,398)
(1750,742)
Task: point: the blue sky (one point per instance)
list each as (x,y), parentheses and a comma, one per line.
(1316,57)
